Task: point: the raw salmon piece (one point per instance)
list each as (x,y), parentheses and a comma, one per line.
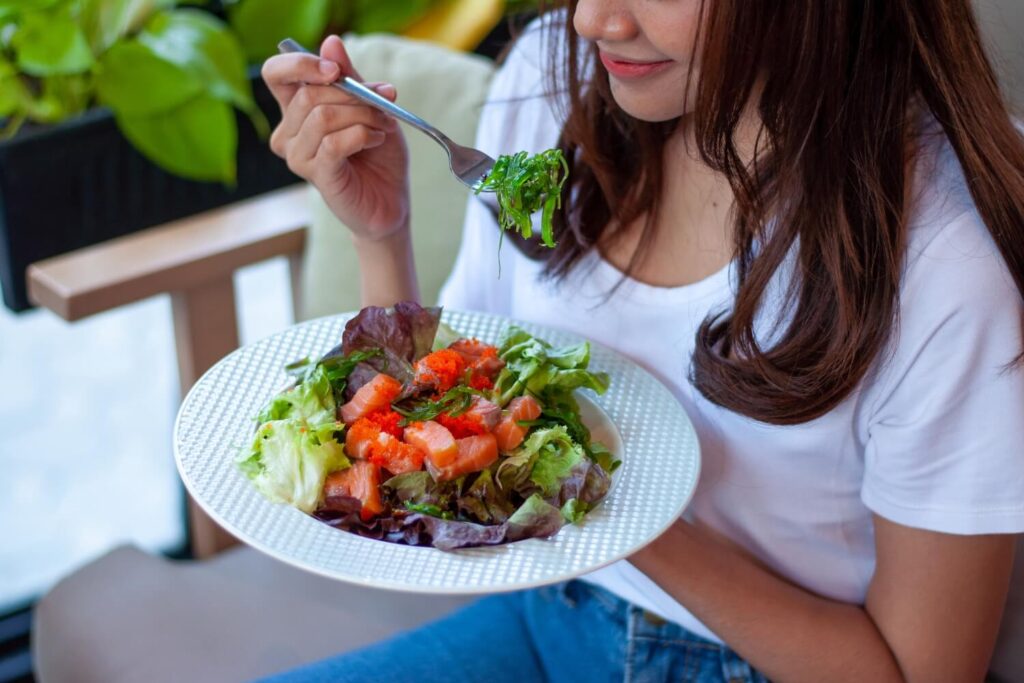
(440,370)
(360,437)
(377,394)
(366,441)
(436,442)
(481,358)
(508,433)
(475,453)
(362,481)
(394,456)
(483,411)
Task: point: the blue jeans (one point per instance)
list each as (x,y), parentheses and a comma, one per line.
(567,632)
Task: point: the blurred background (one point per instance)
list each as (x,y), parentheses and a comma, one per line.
(120,115)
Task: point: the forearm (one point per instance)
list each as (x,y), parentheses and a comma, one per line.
(784,631)
(387,270)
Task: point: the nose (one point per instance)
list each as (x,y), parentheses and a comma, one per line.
(604,20)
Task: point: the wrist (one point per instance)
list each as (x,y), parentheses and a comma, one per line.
(396,240)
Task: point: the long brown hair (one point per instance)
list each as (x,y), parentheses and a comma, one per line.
(840,80)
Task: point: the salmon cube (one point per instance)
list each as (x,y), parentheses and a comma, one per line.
(377,394)
(436,442)
(475,453)
(360,481)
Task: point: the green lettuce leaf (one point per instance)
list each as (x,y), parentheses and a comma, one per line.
(311,400)
(533,366)
(557,454)
(573,511)
(289,461)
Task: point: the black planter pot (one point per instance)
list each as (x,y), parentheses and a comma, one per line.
(81,182)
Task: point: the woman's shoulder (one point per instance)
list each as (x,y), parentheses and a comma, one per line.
(960,311)
(952,259)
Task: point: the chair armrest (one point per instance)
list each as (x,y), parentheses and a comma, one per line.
(193,260)
(175,256)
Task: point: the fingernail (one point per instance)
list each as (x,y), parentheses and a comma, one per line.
(386,89)
(327,67)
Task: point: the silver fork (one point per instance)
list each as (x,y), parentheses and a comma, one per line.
(469,165)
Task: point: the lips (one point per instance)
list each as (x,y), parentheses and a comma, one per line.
(628,69)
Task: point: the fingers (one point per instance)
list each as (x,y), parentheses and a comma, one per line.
(323,121)
(309,97)
(346,143)
(333,50)
(285,74)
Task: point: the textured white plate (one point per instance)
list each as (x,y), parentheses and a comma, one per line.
(641,420)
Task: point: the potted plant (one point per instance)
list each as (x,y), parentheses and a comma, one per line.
(123,114)
(119,114)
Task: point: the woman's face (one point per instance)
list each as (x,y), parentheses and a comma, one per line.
(646,48)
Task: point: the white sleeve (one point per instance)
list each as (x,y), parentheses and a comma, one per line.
(945,439)
(517,116)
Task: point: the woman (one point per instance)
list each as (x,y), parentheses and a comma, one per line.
(807,217)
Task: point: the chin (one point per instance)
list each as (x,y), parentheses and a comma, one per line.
(650,107)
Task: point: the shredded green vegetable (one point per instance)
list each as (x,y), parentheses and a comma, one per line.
(455,402)
(526,184)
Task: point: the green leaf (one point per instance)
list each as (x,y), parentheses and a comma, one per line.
(197,139)
(288,463)
(106,21)
(574,511)
(311,399)
(262,24)
(27,5)
(135,82)
(49,44)
(200,43)
(557,454)
(394,16)
(11,88)
(428,509)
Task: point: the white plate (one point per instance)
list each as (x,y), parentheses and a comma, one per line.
(638,417)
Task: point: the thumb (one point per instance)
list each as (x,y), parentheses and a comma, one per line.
(332,49)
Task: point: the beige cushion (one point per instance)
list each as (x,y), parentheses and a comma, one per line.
(1002,24)
(131,616)
(447,89)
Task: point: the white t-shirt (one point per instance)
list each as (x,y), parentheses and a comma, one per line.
(933,438)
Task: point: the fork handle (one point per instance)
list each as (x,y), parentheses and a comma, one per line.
(361,92)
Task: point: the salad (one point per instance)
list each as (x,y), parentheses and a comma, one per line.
(411,433)
(525,184)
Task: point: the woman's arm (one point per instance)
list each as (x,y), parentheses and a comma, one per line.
(387,270)
(932,612)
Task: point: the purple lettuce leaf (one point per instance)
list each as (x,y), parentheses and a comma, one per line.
(404,334)
(485,501)
(587,482)
(535,518)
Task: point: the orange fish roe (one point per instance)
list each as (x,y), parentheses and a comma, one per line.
(386,421)
(461,426)
(441,368)
(395,456)
(365,440)
(360,437)
(481,382)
